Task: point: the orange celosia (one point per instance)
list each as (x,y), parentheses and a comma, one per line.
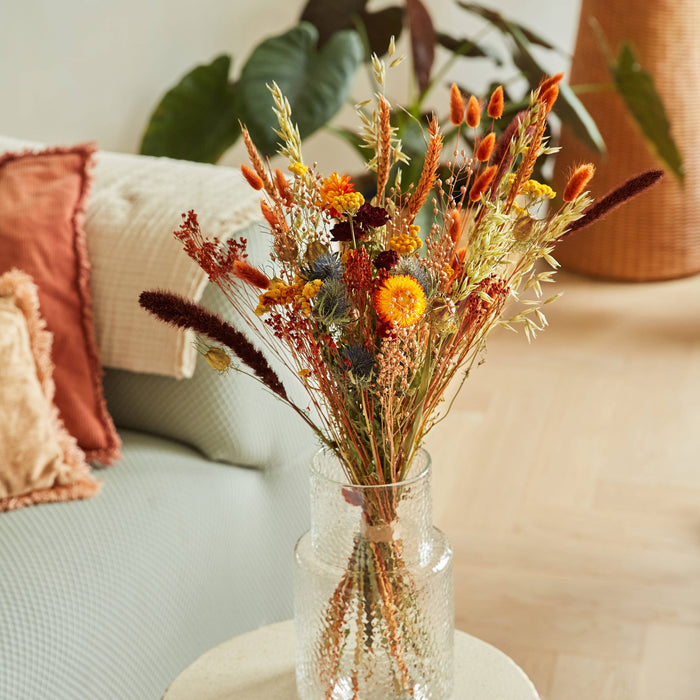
(549,97)
(549,82)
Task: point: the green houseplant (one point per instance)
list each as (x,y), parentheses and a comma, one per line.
(315,62)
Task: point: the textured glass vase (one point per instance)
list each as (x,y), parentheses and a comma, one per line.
(373,590)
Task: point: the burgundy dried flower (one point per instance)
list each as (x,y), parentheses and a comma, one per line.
(367,215)
(386,260)
(343,232)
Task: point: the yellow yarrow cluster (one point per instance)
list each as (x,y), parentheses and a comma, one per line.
(349,202)
(297,168)
(406,243)
(300,293)
(534,189)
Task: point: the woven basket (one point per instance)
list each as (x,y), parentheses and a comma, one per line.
(658,235)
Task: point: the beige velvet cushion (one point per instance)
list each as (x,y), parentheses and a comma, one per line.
(39,460)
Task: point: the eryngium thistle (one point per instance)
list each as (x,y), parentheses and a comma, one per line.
(181,313)
(358,364)
(324,267)
(331,305)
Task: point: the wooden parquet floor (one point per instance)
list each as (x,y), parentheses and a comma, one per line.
(567,477)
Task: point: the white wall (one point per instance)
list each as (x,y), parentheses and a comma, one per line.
(75,70)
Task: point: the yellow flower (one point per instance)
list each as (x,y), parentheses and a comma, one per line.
(311,289)
(400,300)
(406,243)
(339,196)
(533,188)
(297,168)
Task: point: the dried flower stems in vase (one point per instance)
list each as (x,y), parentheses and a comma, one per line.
(377,318)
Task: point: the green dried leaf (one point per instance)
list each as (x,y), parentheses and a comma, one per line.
(422,41)
(380,26)
(568,107)
(506,26)
(467,47)
(638,91)
(331,16)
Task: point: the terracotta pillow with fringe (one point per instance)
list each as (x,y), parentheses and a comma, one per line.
(43,196)
(40,461)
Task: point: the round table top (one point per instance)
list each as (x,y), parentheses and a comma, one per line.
(259,665)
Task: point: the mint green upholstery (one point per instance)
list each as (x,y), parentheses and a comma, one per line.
(112,597)
(228,417)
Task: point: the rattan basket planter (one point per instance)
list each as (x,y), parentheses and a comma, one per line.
(658,237)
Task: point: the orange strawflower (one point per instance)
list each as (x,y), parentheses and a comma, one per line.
(400,300)
(339,196)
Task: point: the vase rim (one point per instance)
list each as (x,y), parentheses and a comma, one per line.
(327,451)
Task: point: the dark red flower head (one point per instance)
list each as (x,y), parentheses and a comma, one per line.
(386,260)
(367,215)
(342,232)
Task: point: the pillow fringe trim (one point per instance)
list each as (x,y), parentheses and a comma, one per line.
(21,287)
(111,453)
(86,488)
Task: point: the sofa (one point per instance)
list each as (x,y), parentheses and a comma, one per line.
(190,538)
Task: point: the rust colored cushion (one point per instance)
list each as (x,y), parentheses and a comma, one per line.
(39,461)
(43,196)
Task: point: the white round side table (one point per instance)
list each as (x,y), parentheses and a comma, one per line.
(259,665)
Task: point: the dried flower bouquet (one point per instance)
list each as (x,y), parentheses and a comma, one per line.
(376,318)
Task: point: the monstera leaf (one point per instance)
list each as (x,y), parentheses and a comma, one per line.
(315,81)
(196,119)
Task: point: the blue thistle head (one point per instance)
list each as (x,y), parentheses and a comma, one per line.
(331,305)
(358,364)
(325,267)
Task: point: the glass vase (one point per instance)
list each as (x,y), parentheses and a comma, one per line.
(373,590)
